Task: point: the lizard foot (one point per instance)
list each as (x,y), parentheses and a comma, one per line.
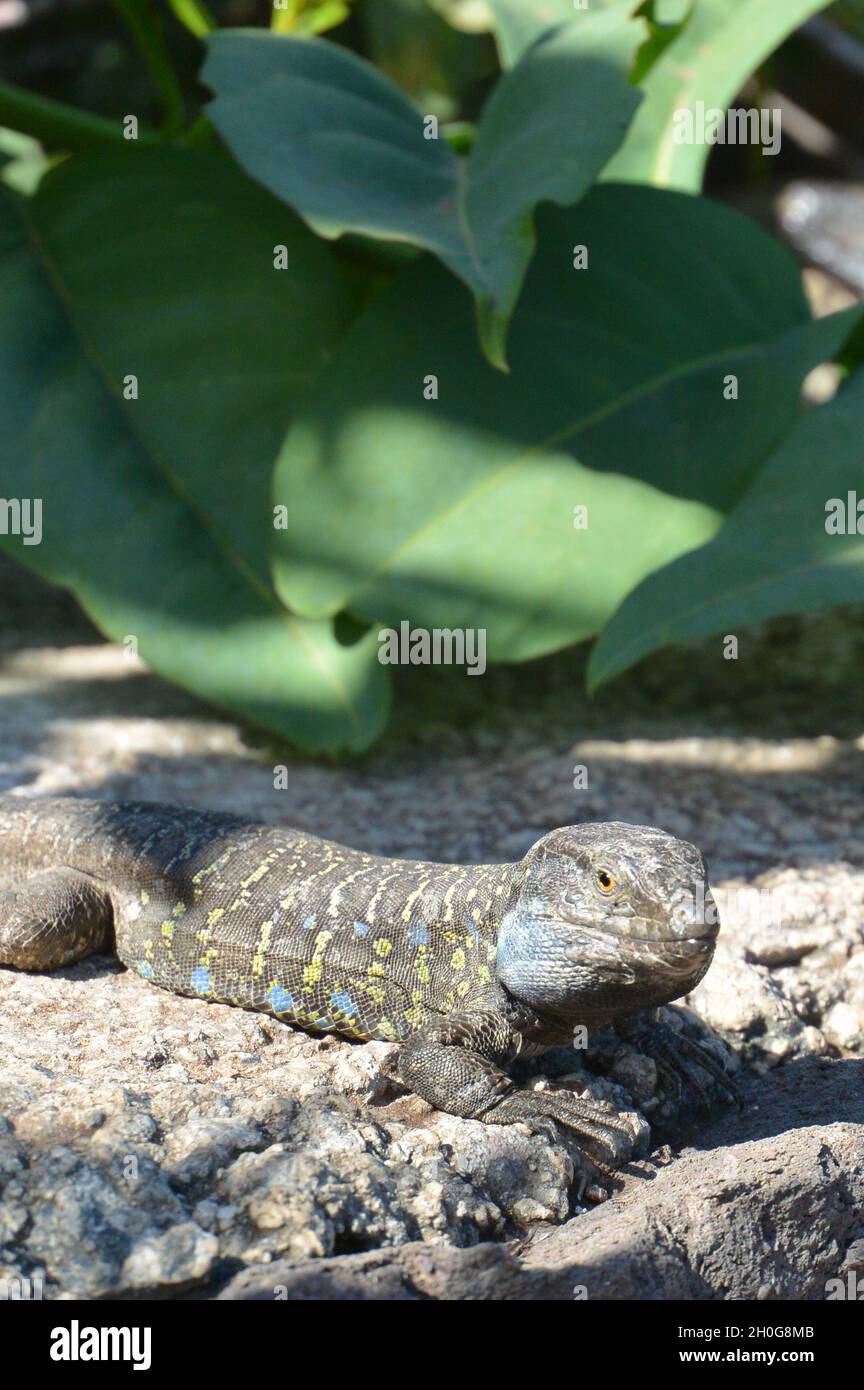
(675,1057)
(604,1135)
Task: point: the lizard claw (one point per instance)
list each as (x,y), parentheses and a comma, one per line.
(672,1052)
(604,1136)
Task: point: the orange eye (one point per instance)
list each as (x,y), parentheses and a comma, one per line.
(605,880)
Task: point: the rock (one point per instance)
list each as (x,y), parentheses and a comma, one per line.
(843,1026)
(748,1007)
(698,1230)
(182,1255)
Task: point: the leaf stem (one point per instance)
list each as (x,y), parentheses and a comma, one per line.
(145,28)
(194,16)
(57,125)
(200,132)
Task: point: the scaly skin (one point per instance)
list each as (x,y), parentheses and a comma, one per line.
(466,965)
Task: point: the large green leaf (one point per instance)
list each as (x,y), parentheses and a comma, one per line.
(600,31)
(340,143)
(722,42)
(160,264)
(458,512)
(774,555)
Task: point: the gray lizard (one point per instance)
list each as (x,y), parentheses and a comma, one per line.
(466,965)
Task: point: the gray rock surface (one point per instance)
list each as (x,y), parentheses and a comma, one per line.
(157,1145)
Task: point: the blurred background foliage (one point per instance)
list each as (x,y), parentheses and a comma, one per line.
(441,52)
(443,56)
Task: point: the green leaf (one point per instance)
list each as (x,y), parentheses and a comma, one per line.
(774,555)
(459,511)
(160,265)
(23,162)
(602,30)
(671,11)
(720,45)
(340,143)
(308,17)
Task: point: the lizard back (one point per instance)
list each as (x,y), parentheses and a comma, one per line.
(317,934)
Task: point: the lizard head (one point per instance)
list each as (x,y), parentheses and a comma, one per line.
(607,919)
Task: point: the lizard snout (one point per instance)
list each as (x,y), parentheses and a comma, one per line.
(693,916)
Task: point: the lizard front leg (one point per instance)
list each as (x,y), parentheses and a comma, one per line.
(455,1065)
(53,918)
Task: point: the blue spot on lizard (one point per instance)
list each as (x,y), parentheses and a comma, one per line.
(280,1000)
(200,980)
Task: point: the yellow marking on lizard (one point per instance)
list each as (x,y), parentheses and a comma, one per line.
(336,895)
(382,947)
(312,973)
(262,869)
(412,897)
(457,960)
(382,883)
(260,956)
(223,859)
(315,969)
(448,896)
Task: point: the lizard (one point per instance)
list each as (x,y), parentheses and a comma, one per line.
(467,966)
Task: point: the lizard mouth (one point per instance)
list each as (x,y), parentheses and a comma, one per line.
(638,951)
(681,924)
(699,933)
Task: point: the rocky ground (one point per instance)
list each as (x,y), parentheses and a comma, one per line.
(152,1145)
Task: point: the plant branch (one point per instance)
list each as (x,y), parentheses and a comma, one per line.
(194,16)
(143,24)
(57,125)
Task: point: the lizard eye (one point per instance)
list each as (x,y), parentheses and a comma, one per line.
(605,881)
